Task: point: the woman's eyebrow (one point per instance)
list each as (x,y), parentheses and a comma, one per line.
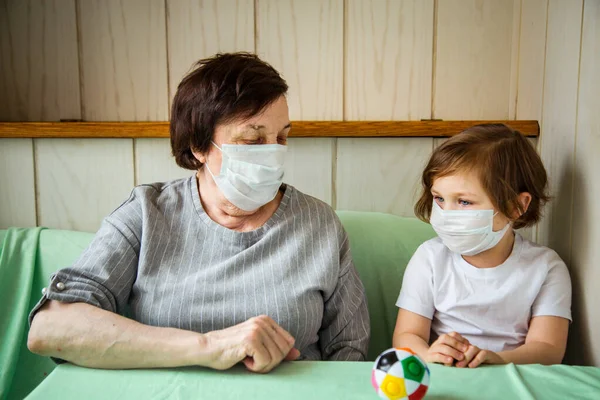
(248,133)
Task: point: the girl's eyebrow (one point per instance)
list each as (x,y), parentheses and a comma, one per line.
(467,194)
(459,194)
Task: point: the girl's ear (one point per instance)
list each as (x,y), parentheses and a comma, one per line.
(524,200)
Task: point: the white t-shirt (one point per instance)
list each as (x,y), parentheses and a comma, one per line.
(491,307)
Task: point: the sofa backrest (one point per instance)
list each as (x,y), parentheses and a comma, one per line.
(55,249)
(382,245)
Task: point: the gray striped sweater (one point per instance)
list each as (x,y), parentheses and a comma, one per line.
(161,260)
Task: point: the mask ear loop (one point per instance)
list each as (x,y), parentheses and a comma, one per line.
(206,163)
(216,146)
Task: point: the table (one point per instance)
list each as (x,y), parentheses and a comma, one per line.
(316,380)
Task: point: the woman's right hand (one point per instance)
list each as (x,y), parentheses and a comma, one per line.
(447,348)
(260,343)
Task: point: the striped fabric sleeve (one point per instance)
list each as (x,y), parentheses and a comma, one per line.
(345,331)
(102,275)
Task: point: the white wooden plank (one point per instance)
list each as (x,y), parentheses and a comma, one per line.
(308,166)
(473,59)
(80,181)
(585,273)
(514,59)
(123,60)
(17,197)
(154,162)
(202,28)
(389,59)
(532,52)
(557,142)
(39,75)
(303,39)
(388,76)
(380,174)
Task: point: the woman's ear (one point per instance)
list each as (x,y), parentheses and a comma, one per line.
(199,156)
(524,200)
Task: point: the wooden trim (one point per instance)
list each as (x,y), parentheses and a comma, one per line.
(428,128)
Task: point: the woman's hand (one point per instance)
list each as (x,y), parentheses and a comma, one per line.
(259,343)
(447,348)
(474,357)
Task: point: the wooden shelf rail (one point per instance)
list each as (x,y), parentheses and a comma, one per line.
(352,129)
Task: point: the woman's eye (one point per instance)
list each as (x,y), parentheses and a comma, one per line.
(438,199)
(464,203)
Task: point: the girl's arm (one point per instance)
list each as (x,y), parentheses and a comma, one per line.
(545,344)
(413,330)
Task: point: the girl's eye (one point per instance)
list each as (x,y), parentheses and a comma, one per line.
(282,140)
(464,203)
(438,199)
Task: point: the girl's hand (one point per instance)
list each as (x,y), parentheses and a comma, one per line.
(474,357)
(447,348)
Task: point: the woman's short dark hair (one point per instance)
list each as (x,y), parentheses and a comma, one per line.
(219,89)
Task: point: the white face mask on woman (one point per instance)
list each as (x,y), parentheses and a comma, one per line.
(250,174)
(467,232)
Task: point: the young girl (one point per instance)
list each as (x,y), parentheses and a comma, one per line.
(480,293)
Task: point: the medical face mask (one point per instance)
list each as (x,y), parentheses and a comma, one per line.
(250,175)
(467,232)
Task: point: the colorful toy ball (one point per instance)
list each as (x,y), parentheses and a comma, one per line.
(399,374)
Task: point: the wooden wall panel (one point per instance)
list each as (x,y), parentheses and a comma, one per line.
(557,142)
(303,39)
(39,74)
(201,28)
(80,181)
(154,162)
(473,59)
(17,196)
(123,56)
(531,56)
(39,81)
(585,274)
(389,59)
(309,166)
(380,174)
(388,77)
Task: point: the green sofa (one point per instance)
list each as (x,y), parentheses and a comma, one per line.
(381,244)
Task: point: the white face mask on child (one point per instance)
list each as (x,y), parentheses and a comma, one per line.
(467,232)
(250,174)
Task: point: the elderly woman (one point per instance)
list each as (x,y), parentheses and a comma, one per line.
(230,265)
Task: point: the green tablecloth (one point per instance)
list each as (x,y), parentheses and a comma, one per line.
(316,380)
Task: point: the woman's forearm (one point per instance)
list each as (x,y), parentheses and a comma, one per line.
(89,336)
(533,353)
